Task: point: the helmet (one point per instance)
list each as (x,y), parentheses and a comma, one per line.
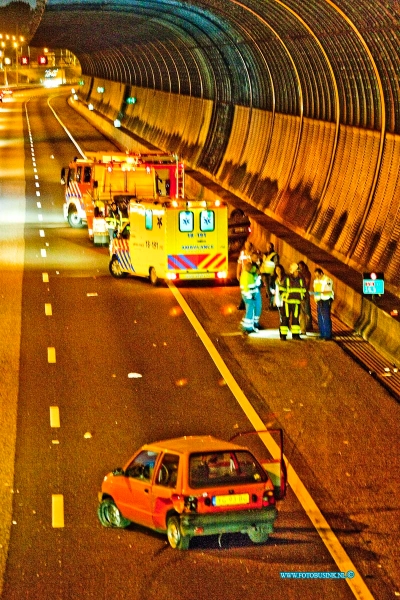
(293,268)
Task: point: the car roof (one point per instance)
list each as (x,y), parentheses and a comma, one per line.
(193,443)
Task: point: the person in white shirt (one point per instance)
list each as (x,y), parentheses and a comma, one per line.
(323,295)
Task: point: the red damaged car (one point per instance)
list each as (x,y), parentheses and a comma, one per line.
(195,486)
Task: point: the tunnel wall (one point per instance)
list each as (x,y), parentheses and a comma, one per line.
(293,106)
(319,179)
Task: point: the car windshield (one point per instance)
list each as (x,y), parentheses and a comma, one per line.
(224,468)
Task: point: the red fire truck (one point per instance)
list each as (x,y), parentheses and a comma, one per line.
(92,182)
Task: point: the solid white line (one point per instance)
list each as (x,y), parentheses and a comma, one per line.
(339,555)
(81,152)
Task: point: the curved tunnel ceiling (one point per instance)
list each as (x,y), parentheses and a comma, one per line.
(304,121)
(321,59)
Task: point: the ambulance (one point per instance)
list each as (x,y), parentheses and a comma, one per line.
(90,183)
(173,240)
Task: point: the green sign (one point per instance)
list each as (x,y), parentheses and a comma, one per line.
(373,283)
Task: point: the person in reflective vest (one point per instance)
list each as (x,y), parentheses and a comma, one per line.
(323,296)
(245,254)
(279,278)
(113,219)
(292,292)
(250,283)
(269,261)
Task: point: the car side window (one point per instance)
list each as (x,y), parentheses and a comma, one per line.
(167,475)
(142,466)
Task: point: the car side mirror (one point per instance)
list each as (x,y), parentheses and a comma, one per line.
(118,471)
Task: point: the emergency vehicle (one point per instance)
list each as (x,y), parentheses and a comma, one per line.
(173,240)
(90,184)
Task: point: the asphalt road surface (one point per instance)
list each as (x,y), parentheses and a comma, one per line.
(82,336)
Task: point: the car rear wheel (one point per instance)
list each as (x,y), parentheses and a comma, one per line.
(110,515)
(74,219)
(115,269)
(176,538)
(258,535)
(153,276)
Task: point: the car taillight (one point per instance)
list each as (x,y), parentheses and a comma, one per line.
(268,498)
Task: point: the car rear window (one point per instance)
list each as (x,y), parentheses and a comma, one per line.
(224,468)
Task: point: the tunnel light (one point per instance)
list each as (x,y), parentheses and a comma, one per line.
(117,123)
(90,106)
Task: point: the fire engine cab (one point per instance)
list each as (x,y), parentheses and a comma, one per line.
(172,240)
(90,183)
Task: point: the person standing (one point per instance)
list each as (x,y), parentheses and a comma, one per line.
(269,261)
(250,282)
(292,293)
(245,255)
(305,307)
(323,295)
(279,277)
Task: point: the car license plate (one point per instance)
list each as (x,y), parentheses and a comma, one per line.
(230,500)
(196,275)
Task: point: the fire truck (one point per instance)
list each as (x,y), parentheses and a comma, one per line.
(172,240)
(91,183)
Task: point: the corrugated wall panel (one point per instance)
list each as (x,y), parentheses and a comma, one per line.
(378,245)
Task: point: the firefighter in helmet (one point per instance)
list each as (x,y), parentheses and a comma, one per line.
(292,291)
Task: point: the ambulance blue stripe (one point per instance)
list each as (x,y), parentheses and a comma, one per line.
(125,262)
(188,264)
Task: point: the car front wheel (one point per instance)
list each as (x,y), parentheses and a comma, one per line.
(258,535)
(74,219)
(176,538)
(110,515)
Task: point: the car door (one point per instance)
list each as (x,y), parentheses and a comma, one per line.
(166,485)
(134,494)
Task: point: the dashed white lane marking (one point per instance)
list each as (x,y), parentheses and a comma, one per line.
(40,218)
(39,204)
(57,510)
(48,311)
(45,277)
(339,555)
(42,233)
(51,354)
(43,253)
(54,416)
